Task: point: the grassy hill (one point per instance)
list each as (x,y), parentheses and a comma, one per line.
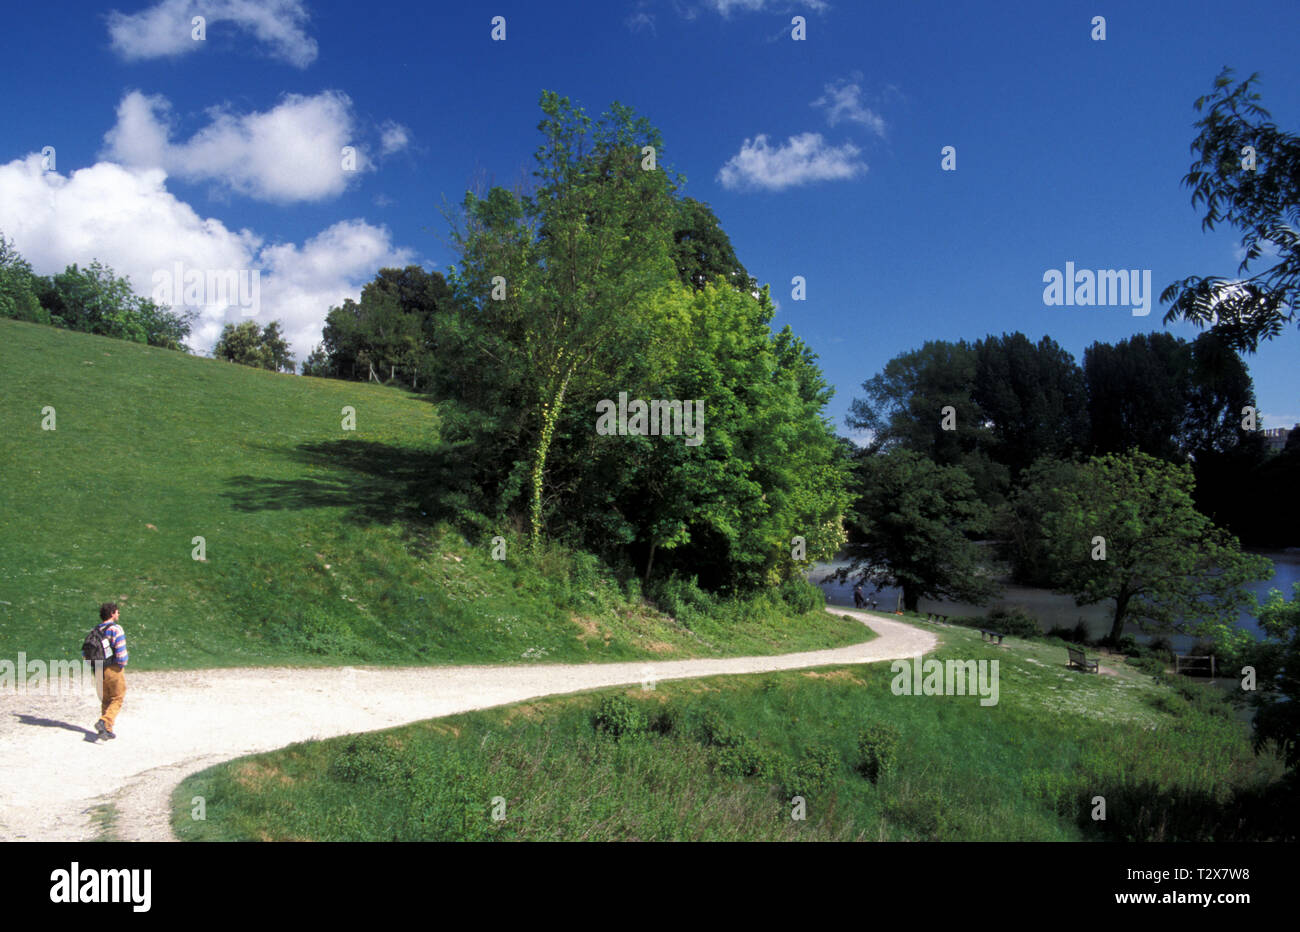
(322,545)
(721,758)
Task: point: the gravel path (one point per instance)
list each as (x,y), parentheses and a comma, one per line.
(52,772)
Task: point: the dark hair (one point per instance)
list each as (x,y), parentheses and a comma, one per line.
(106,610)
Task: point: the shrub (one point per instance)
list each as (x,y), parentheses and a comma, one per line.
(1162,647)
(812,773)
(1153,665)
(878,746)
(745,758)
(1014,621)
(1175,705)
(683,599)
(716,732)
(802,596)
(619,717)
(368,759)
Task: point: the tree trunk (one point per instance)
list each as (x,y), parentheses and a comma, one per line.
(550,415)
(911,598)
(1121,609)
(650,561)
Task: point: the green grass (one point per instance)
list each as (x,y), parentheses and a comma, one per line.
(323,546)
(718,759)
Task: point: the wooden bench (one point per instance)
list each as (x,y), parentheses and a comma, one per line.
(987,635)
(1080,660)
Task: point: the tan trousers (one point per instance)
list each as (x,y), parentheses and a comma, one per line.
(111,692)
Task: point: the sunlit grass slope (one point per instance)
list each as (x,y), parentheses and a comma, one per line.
(321,545)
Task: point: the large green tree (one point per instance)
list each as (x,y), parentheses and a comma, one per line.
(248,344)
(1166,397)
(1125,530)
(552,285)
(1247,174)
(96,300)
(914,527)
(702,251)
(766,470)
(1033,398)
(389,334)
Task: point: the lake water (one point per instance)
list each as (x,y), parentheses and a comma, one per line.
(1052,609)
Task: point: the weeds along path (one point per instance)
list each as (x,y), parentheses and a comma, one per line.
(53,779)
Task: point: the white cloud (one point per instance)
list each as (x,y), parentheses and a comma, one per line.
(165,31)
(725,7)
(394,137)
(128,219)
(802,159)
(288,153)
(639,20)
(842,101)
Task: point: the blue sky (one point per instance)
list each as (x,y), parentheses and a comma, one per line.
(821,157)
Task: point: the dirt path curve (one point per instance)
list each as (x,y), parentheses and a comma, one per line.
(174,724)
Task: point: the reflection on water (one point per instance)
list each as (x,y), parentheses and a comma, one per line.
(1052,609)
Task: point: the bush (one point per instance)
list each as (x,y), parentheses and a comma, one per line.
(878,746)
(368,759)
(802,596)
(812,773)
(1014,621)
(717,733)
(619,717)
(1205,699)
(1153,665)
(745,758)
(683,599)
(1174,705)
(1162,647)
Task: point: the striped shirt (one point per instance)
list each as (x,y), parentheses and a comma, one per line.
(117,637)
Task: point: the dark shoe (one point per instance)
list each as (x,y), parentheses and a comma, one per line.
(101,728)
(109,734)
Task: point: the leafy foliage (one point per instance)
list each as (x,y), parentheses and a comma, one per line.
(1277,716)
(914,527)
(247,344)
(878,745)
(1163,559)
(91,300)
(389,334)
(1263,202)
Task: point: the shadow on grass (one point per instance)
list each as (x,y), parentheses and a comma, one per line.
(371,482)
(1148,812)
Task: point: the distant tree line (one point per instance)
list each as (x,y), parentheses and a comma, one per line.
(89,300)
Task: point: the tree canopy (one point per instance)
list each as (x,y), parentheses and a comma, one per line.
(1247,174)
(1124,528)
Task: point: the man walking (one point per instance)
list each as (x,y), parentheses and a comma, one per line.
(110,675)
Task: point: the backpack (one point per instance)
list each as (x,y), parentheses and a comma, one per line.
(97,647)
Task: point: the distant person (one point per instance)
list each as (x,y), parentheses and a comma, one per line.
(110,675)
(859,600)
